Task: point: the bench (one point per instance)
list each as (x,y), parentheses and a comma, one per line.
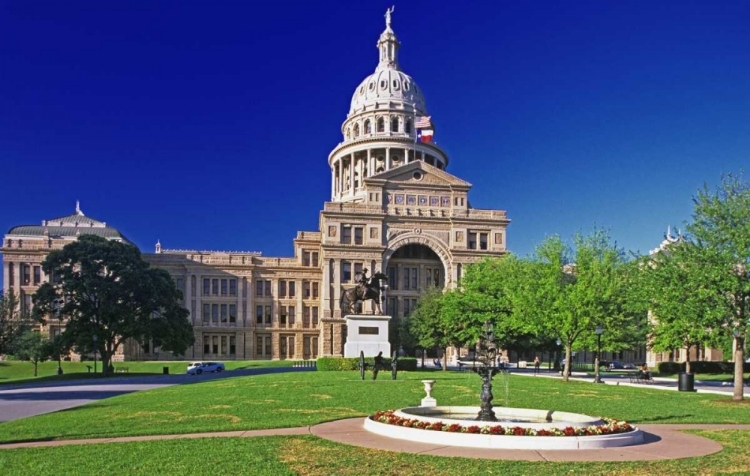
(122,370)
(640,378)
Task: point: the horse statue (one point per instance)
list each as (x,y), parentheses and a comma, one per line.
(369,290)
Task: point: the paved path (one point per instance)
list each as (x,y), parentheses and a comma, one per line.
(662,442)
(28,399)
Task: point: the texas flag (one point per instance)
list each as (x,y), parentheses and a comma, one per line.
(424,135)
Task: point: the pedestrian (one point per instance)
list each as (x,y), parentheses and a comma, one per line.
(536,364)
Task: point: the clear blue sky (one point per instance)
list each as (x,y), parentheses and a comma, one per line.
(208,124)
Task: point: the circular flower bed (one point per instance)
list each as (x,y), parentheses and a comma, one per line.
(610,427)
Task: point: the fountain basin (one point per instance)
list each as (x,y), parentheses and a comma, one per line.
(529,419)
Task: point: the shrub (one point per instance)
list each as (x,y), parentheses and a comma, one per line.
(701,367)
(352,363)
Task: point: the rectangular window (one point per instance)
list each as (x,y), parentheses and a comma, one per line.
(392,278)
(233,313)
(282,316)
(268,346)
(306,289)
(472,241)
(232,345)
(259,289)
(215,342)
(315,316)
(392,306)
(407,307)
(224,288)
(428,277)
(306,317)
(483,241)
(292,290)
(193,285)
(259,314)
(305,258)
(346,234)
(291,316)
(358,234)
(357,269)
(26,274)
(346,272)
(180,284)
(415,278)
(215,313)
(268,289)
(269,316)
(315,259)
(223,345)
(224,313)
(37,274)
(206,313)
(407,281)
(232,287)
(282,289)
(315,290)
(282,347)
(206,287)
(206,345)
(259,346)
(215,287)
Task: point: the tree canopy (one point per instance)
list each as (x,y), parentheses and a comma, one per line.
(13,322)
(107,290)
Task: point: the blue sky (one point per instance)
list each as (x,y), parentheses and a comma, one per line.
(207,125)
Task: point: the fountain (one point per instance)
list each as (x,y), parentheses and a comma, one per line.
(499,427)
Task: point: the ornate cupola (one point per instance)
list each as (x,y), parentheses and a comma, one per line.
(379,132)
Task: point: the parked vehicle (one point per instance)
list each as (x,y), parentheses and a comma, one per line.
(197,368)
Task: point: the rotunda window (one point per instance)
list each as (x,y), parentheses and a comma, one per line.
(381,125)
(348,134)
(368,127)
(361,90)
(394,124)
(417,175)
(395,84)
(356,130)
(371,86)
(383,84)
(406,85)
(407,127)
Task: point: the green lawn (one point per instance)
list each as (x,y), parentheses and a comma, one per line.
(14,371)
(316,457)
(297,399)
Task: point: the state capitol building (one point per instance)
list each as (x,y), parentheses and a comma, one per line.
(394,207)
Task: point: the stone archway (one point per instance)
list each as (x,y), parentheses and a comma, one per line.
(418,238)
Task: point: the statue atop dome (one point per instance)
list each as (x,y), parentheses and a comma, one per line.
(388,12)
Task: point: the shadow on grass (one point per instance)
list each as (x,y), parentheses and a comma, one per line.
(662,418)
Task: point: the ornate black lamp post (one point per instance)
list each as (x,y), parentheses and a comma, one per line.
(486,370)
(599,331)
(95,339)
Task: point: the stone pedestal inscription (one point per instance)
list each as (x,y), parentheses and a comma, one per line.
(368,334)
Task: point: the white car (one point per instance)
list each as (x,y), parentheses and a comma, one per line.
(197,368)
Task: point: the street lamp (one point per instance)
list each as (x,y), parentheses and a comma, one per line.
(95,339)
(57,303)
(599,331)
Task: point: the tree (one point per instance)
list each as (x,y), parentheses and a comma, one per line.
(721,223)
(425,322)
(32,346)
(110,292)
(13,322)
(679,284)
(577,290)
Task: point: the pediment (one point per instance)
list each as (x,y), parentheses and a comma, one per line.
(418,174)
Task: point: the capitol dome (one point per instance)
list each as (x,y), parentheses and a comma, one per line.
(388,83)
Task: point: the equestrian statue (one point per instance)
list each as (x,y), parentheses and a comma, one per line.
(366,289)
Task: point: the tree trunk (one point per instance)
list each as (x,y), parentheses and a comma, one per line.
(105,363)
(445,360)
(687,359)
(568,358)
(35,365)
(739,362)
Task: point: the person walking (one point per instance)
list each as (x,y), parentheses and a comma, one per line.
(536,364)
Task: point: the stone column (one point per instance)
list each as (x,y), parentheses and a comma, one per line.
(370,165)
(298,308)
(326,292)
(188,295)
(351,173)
(240,298)
(17,278)
(6,276)
(198,321)
(336,287)
(387,158)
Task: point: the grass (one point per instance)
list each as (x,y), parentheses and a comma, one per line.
(316,457)
(14,371)
(297,399)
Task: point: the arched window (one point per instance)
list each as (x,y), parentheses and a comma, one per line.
(368,127)
(407,128)
(381,125)
(356,130)
(348,134)
(394,124)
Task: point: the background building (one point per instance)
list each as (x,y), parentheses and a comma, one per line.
(393,208)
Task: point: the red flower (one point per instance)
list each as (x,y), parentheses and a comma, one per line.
(497,430)
(518,431)
(473,429)
(454,427)
(569,431)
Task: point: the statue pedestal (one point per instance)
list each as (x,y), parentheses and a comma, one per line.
(368,334)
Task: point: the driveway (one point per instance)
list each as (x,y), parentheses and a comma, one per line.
(28,399)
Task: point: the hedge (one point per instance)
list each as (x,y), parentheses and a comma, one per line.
(352,363)
(700,367)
